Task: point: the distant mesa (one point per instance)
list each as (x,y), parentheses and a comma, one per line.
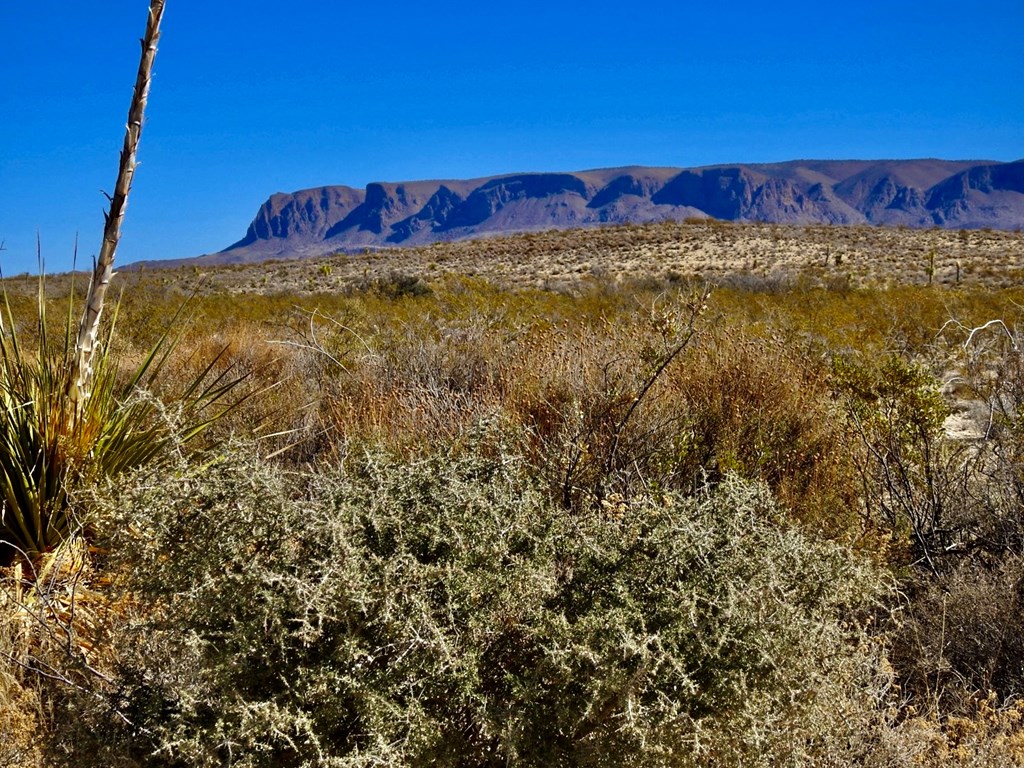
(911,193)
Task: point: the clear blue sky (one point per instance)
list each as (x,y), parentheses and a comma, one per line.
(255,97)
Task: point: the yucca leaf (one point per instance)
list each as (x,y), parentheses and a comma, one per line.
(47,445)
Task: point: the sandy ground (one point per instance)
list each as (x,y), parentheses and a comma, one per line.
(744,252)
(755,254)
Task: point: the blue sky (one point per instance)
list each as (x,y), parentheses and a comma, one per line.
(255,97)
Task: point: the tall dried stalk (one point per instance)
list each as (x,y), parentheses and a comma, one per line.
(79,381)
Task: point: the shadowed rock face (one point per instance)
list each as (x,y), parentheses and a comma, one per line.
(433,216)
(982,196)
(306,215)
(383,206)
(916,193)
(723,193)
(494,195)
(626,185)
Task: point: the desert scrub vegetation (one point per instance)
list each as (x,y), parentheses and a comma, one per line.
(855,256)
(686,494)
(689,494)
(630,523)
(446,612)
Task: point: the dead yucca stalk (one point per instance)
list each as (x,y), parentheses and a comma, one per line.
(80,379)
(68,414)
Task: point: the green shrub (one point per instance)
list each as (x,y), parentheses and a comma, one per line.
(443,612)
(909,473)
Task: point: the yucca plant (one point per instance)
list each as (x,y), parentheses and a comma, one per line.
(49,443)
(65,414)
(81,363)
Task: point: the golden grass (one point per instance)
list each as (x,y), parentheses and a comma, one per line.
(550,335)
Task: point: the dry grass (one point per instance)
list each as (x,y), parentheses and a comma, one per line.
(550,339)
(744,254)
(710,250)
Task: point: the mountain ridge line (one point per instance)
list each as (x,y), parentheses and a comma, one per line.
(918,193)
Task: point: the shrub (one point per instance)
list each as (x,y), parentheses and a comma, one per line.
(591,400)
(909,474)
(442,612)
(960,634)
(397,285)
(758,408)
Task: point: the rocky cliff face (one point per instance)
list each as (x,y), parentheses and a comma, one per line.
(916,193)
(307,215)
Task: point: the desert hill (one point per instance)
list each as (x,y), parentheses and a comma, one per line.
(910,193)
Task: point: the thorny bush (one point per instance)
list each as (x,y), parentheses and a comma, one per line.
(442,612)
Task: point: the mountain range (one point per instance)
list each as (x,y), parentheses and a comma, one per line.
(912,193)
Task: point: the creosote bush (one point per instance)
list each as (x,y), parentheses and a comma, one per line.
(444,612)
